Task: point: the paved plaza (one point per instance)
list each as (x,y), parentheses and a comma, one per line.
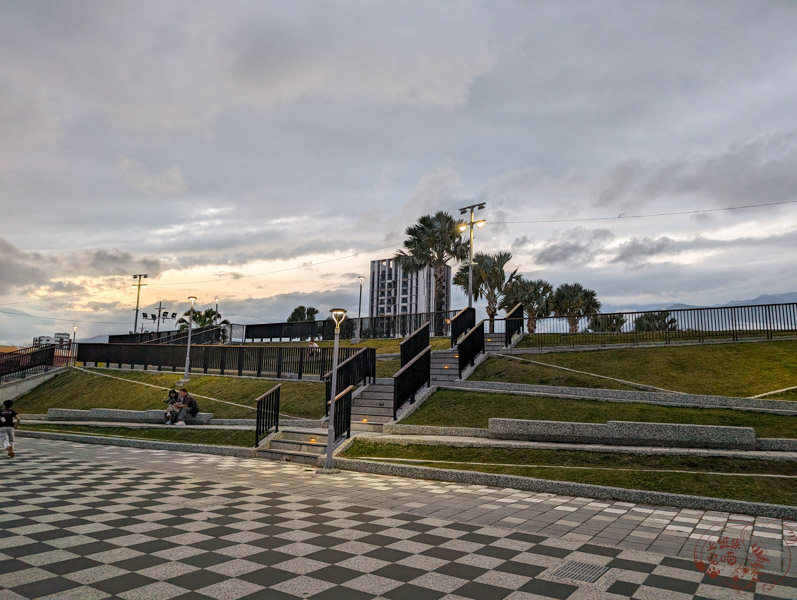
(85,521)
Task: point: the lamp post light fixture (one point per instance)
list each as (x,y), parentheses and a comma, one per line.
(356,340)
(191,299)
(138,285)
(338,315)
(464,227)
(216,316)
(74,349)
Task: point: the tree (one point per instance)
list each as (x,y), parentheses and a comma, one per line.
(535,296)
(607,323)
(656,321)
(204,318)
(433,242)
(303,313)
(489,280)
(573,301)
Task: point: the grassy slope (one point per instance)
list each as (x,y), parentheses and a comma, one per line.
(742,369)
(456,408)
(79,390)
(211,437)
(758,489)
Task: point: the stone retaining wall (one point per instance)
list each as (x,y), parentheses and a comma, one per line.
(119,416)
(625,433)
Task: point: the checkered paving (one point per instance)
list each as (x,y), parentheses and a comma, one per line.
(73,528)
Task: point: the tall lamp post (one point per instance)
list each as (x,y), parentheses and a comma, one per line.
(191,299)
(217,309)
(472,208)
(138,285)
(338,314)
(361,278)
(74,349)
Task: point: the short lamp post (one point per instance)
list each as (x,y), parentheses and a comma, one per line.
(74,348)
(191,299)
(356,340)
(338,315)
(464,227)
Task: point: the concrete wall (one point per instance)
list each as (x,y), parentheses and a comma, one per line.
(12,390)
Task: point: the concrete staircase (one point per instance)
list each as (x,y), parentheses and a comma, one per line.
(445,366)
(373,406)
(302,446)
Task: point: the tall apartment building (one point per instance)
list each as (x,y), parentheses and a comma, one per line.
(59,339)
(394,292)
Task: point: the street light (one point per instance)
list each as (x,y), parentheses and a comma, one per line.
(138,285)
(361,278)
(217,309)
(74,350)
(472,208)
(338,314)
(191,299)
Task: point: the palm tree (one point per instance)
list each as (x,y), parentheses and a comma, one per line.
(535,296)
(656,321)
(433,242)
(303,313)
(607,323)
(204,318)
(489,280)
(573,301)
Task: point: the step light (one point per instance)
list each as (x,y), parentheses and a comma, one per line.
(365,420)
(312,440)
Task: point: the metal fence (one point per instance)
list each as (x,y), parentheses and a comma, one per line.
(357,368)
(259,361)
(342,419)
(767,321)
(22,362)
(268,414)
(415,344)
(461,323)
(470,346)
(411,378)
(210,334)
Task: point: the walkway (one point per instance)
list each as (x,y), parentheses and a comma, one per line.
(83,521)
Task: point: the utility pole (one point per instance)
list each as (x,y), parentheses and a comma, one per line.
(160,308)
(472,208)
(138,285)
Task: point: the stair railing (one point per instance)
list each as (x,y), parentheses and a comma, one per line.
(411,378)
(268,414)
(356,369)
(462,322)
(471,346)
(414,344)
(20,362)
(342,421)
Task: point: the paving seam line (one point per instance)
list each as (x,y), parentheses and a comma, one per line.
(641,386)
(159,387)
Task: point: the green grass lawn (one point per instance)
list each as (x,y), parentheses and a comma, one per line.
(459,408)
(387,368)
(703,477)
(78,390)
(383,346)
(742,369)
(210,437)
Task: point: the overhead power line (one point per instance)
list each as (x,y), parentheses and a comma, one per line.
(5,312)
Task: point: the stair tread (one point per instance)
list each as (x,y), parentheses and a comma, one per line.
(288,452)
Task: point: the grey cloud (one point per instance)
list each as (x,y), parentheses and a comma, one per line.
(574,246)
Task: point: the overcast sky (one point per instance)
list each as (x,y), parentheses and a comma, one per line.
(265,152)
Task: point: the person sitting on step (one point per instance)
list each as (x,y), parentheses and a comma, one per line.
(186,406)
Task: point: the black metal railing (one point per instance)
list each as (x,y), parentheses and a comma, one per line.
(342,420)
(356,369)
(257,361)
(764,321)
(268,414)
(415,344)
(514,324)
(461,323)
(209,334)
(471,346)
(21,362)
(411,378)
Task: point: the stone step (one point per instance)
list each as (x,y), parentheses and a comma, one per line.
(453,377)
(304,458)
(359,426)
(369,395)
(299,435)
(296,446)
(371,410)
(358,418)
(380,387)
(372,402)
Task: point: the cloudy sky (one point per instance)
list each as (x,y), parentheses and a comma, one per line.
(266,152)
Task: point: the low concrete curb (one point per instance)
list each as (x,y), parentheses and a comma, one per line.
(777,444)
(637,396)
(147,444)
(120,416)
(397,429)
(566,488)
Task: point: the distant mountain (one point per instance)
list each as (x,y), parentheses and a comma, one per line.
(762,299)
(97,339)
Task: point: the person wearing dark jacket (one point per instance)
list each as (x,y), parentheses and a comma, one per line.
(7,424)
(187,406)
